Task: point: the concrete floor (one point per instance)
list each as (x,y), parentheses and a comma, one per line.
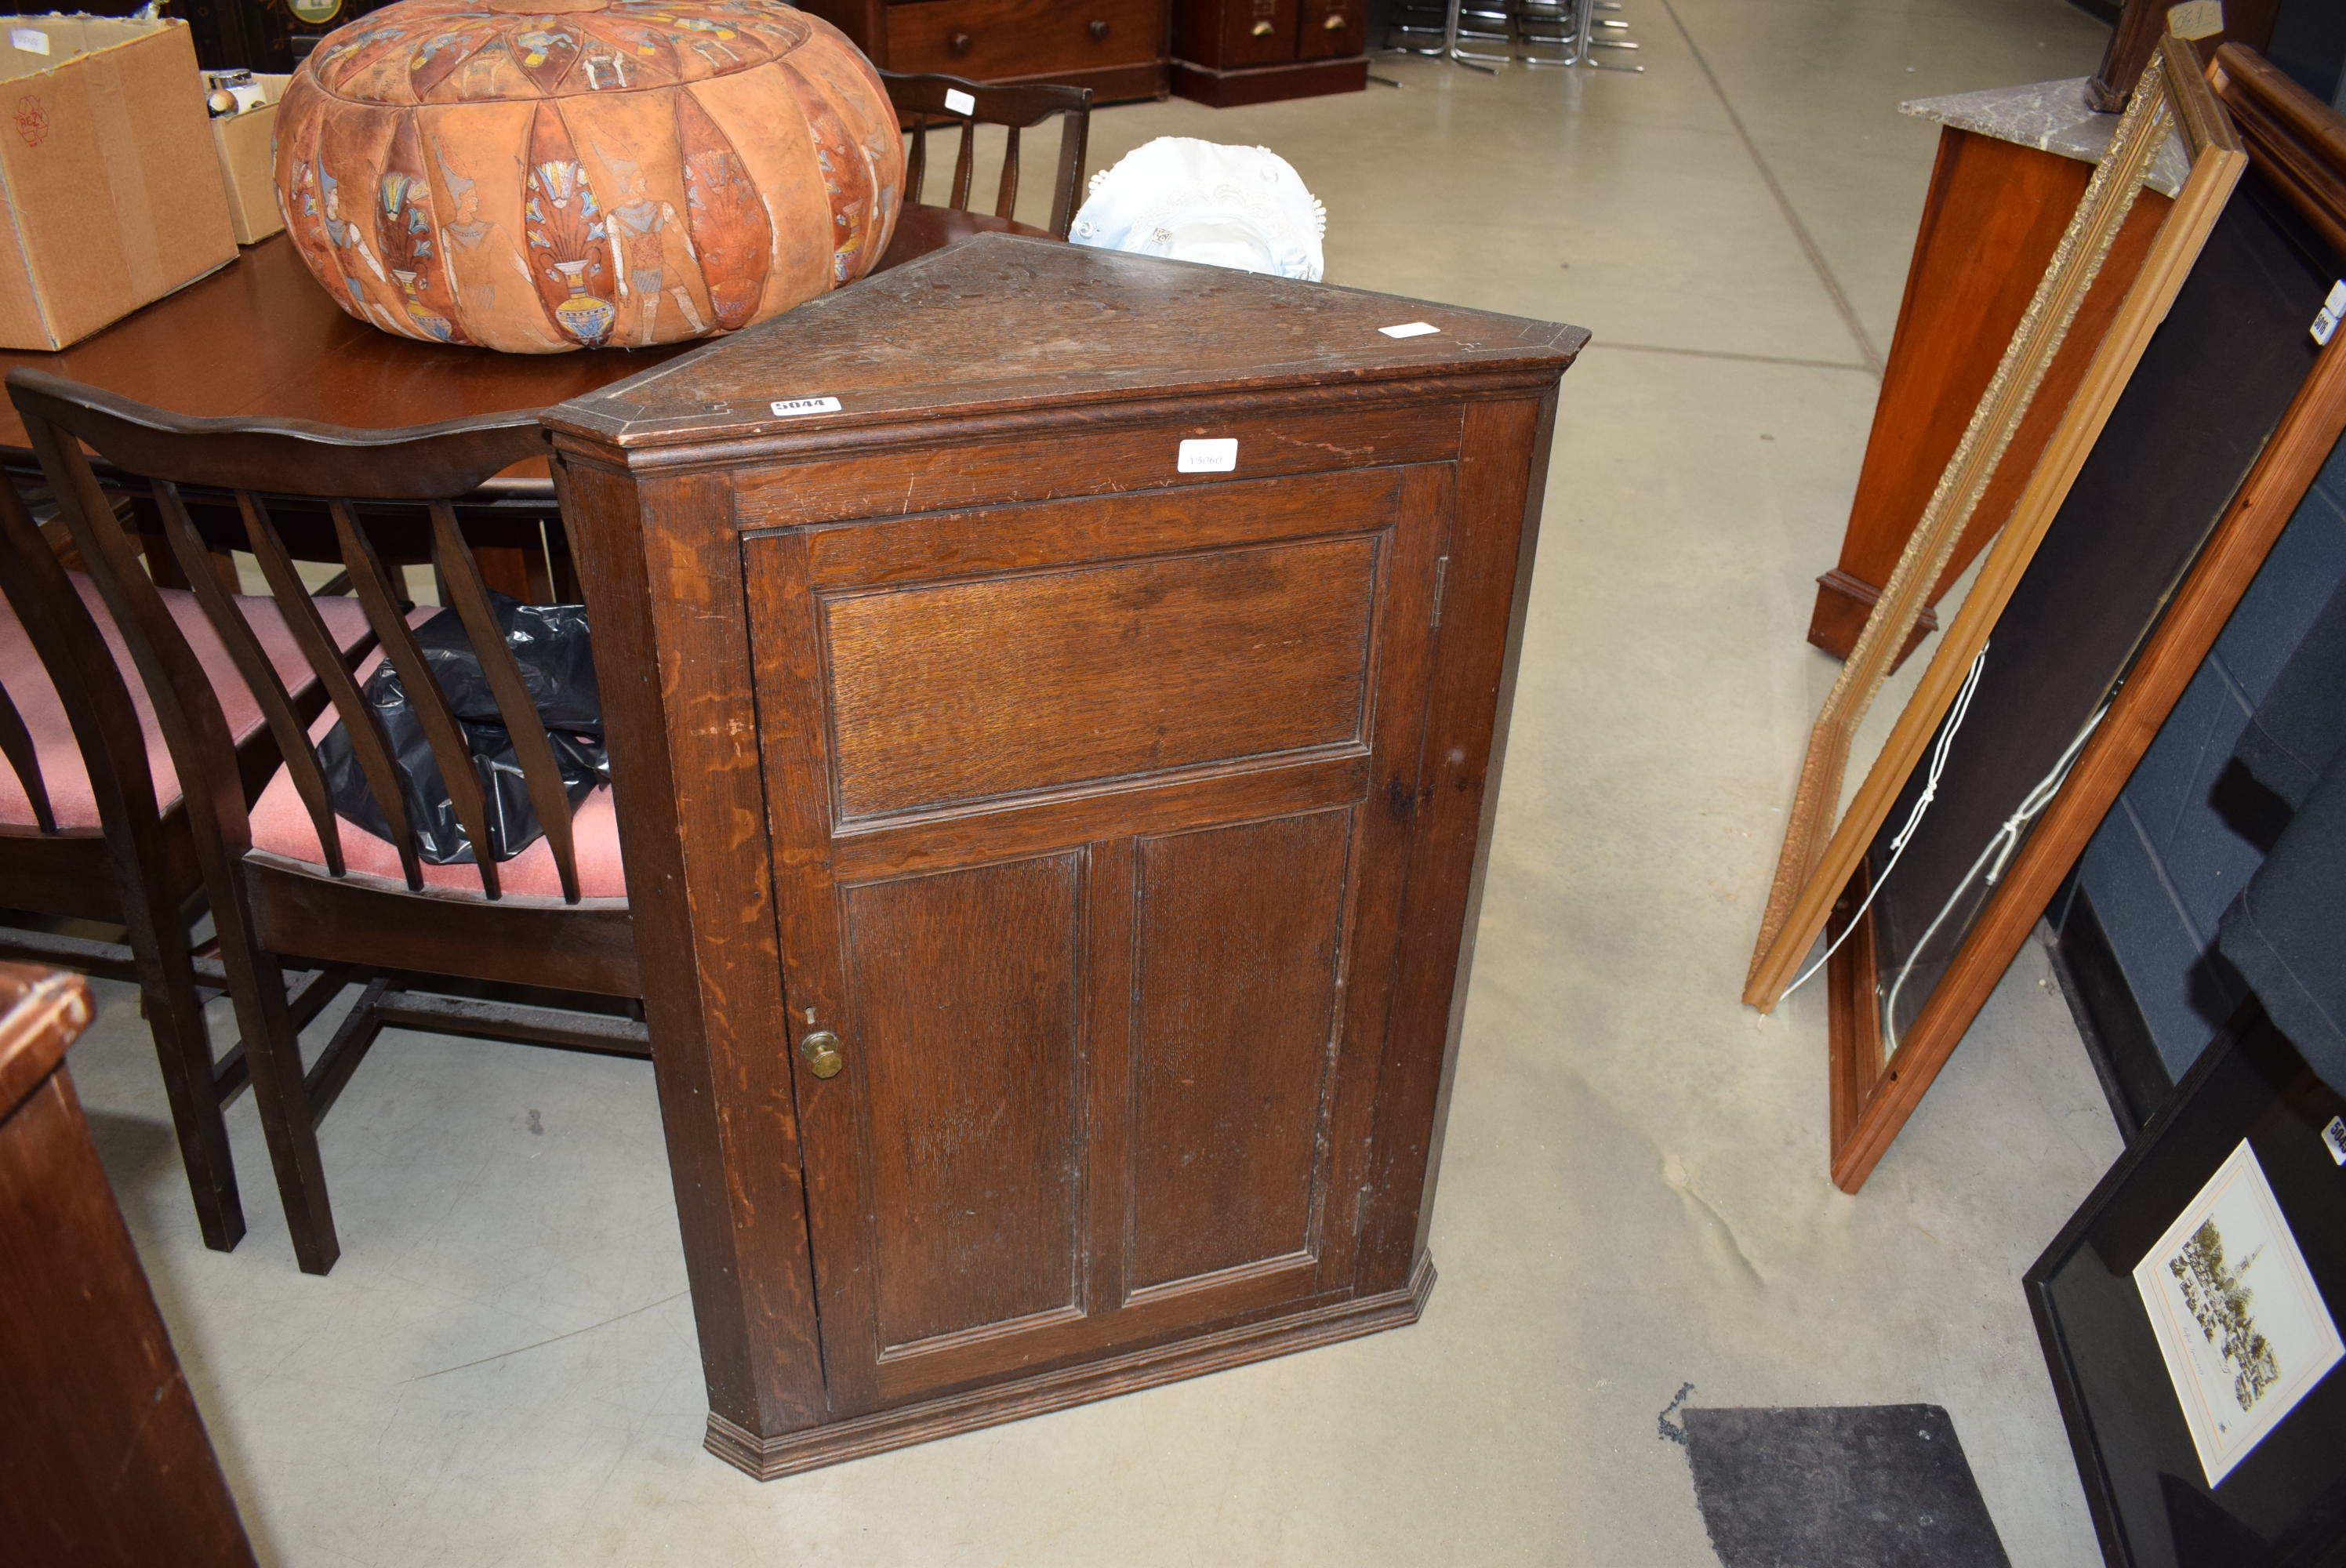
(502,1370)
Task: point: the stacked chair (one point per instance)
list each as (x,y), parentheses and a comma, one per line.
(240,693)
(926,100)
(1526,32)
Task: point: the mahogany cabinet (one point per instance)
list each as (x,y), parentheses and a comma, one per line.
(1055,700)
(104,1459)
(1227,52)
(1994,214)
(1114,48)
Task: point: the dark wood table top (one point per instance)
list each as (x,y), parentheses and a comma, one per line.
(260,336)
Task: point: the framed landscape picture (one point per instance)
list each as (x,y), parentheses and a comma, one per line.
(2240,1320)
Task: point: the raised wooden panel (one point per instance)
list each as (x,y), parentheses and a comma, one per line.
(1181,518)
(1237,936)
(904,475)
(963,692)
(966,1040)
(897,849)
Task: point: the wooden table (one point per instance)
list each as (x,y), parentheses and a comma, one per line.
(260,336)
(1056,785)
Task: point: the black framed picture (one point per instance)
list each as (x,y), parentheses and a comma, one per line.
(2183,1313)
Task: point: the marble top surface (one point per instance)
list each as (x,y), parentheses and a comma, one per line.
(2053,116)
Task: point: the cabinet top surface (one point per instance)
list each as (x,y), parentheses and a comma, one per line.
(1003,322)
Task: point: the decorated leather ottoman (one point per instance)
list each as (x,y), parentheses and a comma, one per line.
(542,177)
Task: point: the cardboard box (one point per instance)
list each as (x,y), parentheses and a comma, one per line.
(114,194)
(247,164)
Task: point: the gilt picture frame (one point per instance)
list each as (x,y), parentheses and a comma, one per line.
(1896,1011)
(1819,854)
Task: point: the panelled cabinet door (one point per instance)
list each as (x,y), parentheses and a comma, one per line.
(1087,845)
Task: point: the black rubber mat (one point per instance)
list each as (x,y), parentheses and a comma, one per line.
(1837,1486)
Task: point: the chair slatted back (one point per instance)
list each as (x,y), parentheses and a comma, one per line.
(460,577)
(17,746)
(82,671)
(368,482)
(927,100)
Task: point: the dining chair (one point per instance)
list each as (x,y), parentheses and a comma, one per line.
(466,949)
(925,100)
(92,827)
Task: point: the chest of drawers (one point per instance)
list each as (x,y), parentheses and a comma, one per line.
(1116,47)
(1055,700)
(1228,52)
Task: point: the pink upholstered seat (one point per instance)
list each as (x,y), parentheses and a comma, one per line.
(71,799)
(281,825)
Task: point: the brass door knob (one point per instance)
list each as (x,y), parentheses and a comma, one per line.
(1262,30)
(821,1050)
(958,43)
(1332,22)
(1099,29)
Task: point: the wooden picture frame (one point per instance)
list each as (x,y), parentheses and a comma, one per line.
(1809,878)
(2297,148)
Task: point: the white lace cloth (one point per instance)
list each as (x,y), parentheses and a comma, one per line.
(1243,207)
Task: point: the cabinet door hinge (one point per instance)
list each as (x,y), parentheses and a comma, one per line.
(1441,572)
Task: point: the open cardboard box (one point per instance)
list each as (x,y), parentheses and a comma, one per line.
(114,196)
(246,165)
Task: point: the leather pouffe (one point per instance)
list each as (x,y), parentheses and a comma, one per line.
(542,177)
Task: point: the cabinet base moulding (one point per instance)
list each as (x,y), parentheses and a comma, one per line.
(813,1448)
(1843,602)
(1269,84)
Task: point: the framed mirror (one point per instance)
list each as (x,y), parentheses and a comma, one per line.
(2233,410)
(1829,846)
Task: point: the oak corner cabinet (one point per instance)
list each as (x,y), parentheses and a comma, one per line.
(1055,700)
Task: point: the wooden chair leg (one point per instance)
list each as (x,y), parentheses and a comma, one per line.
(273,1050)
(183,1046)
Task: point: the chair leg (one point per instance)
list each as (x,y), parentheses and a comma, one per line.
(273,1050)
(183,1045)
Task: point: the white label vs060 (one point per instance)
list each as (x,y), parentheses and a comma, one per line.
(1215,454)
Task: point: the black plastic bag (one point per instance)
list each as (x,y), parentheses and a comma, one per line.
(550,644)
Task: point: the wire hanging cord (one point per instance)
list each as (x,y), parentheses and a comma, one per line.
(2000,850)
(1913,819)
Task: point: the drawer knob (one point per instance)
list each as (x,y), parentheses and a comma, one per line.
(1099,29)
(821,1050)
(958,43)
(1262,30)
(1334,22)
